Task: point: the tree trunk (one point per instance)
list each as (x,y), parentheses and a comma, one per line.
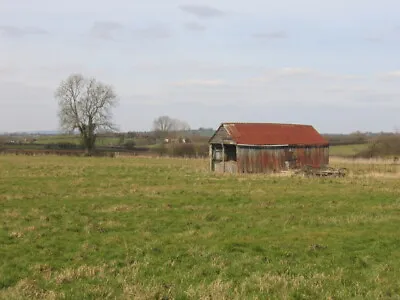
(88,137)
(90,144)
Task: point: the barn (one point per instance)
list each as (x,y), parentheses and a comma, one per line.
(266,147)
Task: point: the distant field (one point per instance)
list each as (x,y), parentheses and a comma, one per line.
(341,150)
(140,228)
(75,140)
(347,150)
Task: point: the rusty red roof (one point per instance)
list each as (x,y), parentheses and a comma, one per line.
(274,134)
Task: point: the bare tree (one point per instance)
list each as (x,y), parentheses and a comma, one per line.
(85,104)
(181,125)
(165,125)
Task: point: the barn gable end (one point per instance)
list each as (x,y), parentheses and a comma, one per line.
(221,136)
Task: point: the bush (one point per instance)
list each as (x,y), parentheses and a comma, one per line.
(2,142)
(182,150)
(346,139)
(202,150)
(145,141)
(130,145)
(62,146)
(382,146)
(161,150)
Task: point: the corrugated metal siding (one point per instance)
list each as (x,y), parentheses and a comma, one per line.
(264,160)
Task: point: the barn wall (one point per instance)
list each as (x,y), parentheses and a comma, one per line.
(314,156)
(264,160)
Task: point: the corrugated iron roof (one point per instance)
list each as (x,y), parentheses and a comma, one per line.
(274,134)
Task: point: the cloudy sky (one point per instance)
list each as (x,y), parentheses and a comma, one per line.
(332,64)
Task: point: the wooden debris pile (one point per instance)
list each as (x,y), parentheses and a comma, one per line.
(309,171)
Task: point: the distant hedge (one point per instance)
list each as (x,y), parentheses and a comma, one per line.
(382,146)
(182,150)
(62,146)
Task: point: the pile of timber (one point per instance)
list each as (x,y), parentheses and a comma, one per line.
(310,171)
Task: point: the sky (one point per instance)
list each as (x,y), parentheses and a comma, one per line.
(332,64)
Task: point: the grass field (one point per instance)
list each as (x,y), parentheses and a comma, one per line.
(347,150)
(101,141)
(140,228)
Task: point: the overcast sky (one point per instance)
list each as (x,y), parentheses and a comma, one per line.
(332,64)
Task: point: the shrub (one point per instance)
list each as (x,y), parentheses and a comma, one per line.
(161,150)
(202,150)
(182,150)
(130,145)
(2,142)
(346,139)
(383,146)
(62,146)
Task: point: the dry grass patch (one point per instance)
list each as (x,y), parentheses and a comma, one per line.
(118,208)
(16,234)
(112,224)
(82,272)
(356,219)
(28,289)
(11,214)
(145,292)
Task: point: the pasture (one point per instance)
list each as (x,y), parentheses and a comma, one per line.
(74,139)
(143,228)
(347,150)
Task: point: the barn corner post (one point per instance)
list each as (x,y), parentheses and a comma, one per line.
(237,159)
(211,155)
(223,157)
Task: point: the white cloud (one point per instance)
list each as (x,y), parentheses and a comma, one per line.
(14,31)
(155,31)
(291,87)
(390,75)
(194,26)
(201,83)
(202,11)
(271,35)
(374,38)
(275,74)
(295,71)
(105,29)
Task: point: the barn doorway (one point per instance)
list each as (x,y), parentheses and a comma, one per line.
(230,151)
(224,158)
(290,158)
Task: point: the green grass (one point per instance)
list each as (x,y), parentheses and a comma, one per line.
(101,141)
(102,228)
(347,150)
